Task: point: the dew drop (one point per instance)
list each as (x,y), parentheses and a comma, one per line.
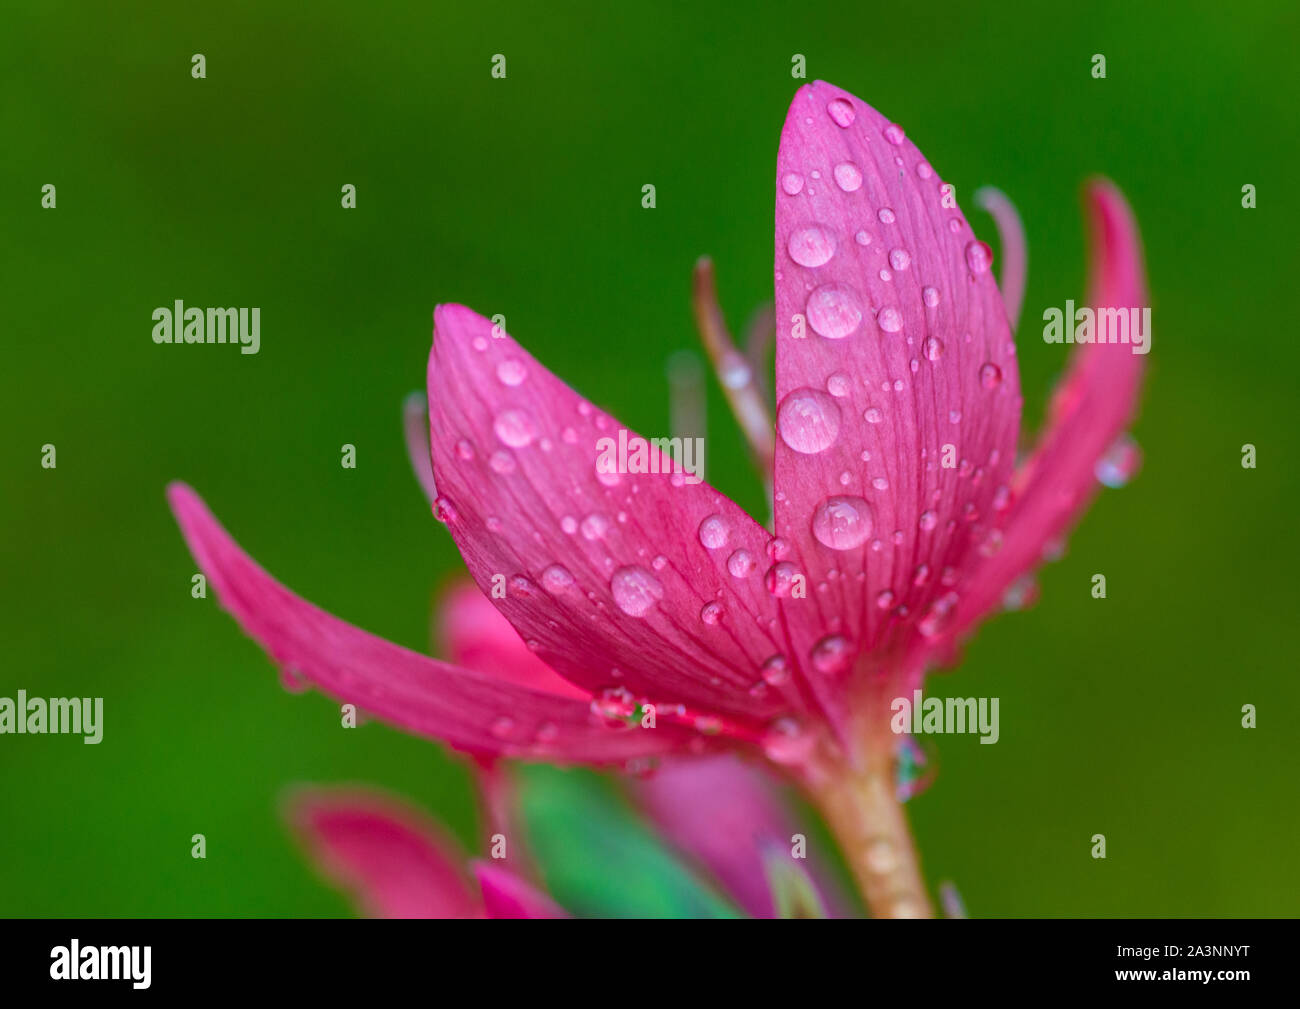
(863,238)
(885,600)
(1119,463)
(511,372)
(776,671)
(741,564)
(464,449)
(899,259)
(990,375)
(838,384)
(928,520)
(808,421)
(979,257)
(502,462)
(594,526)
(889,319)
(515,428)
(832,655)
(635,590)
(556,578)
(930,295)
(714,532)
(841,112)
(848,176)
(711,614)
(842,522)
(780,579)
(872,415)
(932,348)
(834,310)
(812,245)
(894,134)
(886,215)
(792,183)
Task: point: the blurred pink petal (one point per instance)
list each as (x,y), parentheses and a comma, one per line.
(507,895)
(471,711)
(725,813)
(394,862)
(1091,408)
(476,636)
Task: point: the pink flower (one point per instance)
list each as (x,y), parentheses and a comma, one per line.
(680,625)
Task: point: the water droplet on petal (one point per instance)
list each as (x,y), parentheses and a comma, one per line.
(979,257)
(780,579)
(787,743)
(899,259)
(889,319)
(792,183)
(515,428)
(776,671)
(711,613)
(894,134)
(778,549)
(464,449)
(808,421)
(511,372)
(842,522)
(502,727)
(863,238)
(556,578)
(848,176)
(886,215)
(741,564)
(928,520)
(841,112)
(635,590)
(885,600)
(812,245)
(872,415)
(932,348)
(445,510)
(834,310)
(832,655)
(930,295)
(594,526)
(714,532)
(990,375)
(502,462)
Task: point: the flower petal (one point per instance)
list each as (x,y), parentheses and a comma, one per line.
(507,895)
(894,362)
(1090,410)
(607,573)
(394,862)
(471,711)
(722,811)
(476,636)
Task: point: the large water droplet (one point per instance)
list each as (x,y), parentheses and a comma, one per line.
(780,579)
(842,523)
(714,532)
(832,655)
(841,112)
(515,428)
(556,578)
(834,310)
(812,245)
(792,183)
(808,421)
(741,564)
(635,590)
(990,375)
(889,319)
(848,176)
(511,371)
(979,257)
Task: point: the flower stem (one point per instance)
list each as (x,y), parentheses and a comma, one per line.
(863,811)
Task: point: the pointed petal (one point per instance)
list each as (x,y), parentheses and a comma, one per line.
(905,350)
(394,862)
(470,711)
(1091,408)
(506,895)
(476,636)
(606,572)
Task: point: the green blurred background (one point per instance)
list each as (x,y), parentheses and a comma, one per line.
(523,196)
